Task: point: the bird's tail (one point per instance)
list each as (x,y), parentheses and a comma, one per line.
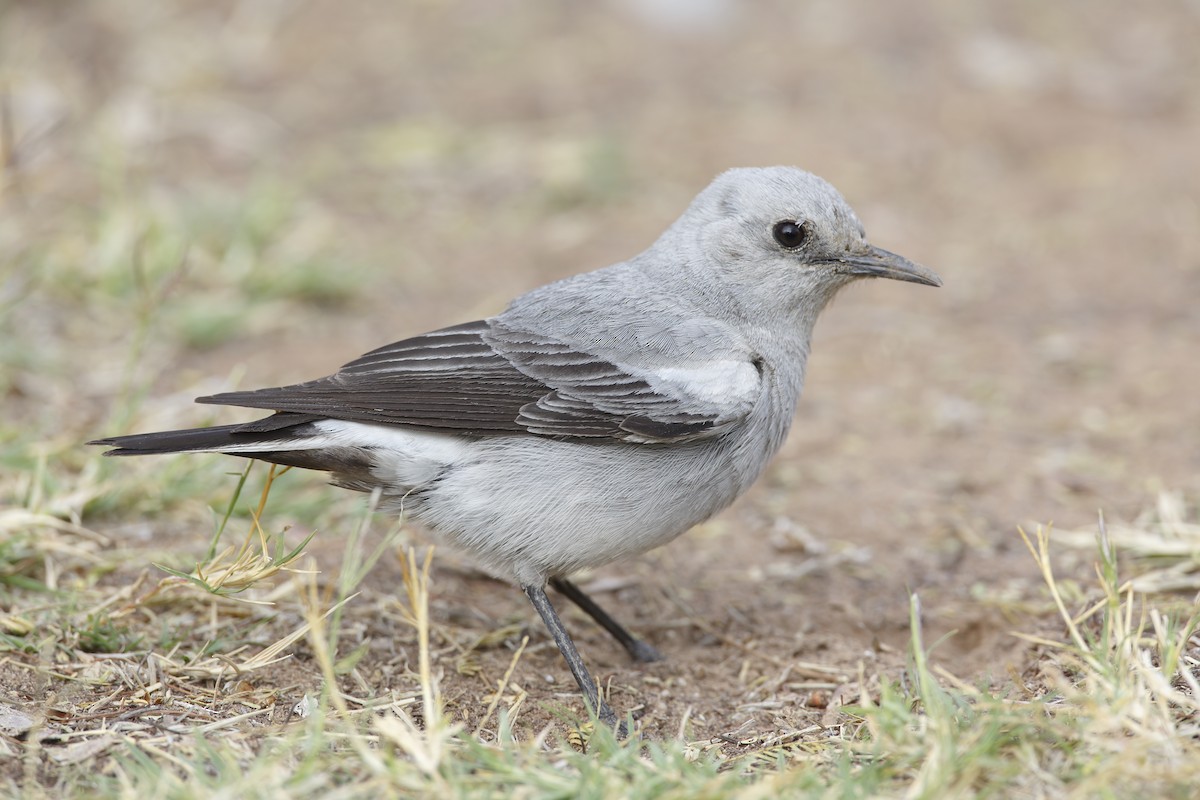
(283,431)
(350,451)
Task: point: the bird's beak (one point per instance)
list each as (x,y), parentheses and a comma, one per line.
(879,263)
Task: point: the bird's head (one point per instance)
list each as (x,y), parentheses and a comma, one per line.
(783,237)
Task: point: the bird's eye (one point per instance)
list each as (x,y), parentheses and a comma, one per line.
(790,234)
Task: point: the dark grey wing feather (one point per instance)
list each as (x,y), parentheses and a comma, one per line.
(447,379)
(595,397)
(477,379)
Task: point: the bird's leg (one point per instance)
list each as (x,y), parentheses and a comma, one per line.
(640,651)
(537,596)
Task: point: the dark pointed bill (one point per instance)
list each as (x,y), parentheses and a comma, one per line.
(880,263)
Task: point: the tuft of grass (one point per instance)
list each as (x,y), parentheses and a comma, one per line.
(100,634)
(238,567)
(1163,543)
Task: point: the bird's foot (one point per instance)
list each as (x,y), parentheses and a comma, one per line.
(644,652)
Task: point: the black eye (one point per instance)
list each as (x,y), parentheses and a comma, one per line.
(790,234)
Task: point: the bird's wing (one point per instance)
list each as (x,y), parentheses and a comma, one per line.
(483,379)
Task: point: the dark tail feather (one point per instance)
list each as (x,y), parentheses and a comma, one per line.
(220,439)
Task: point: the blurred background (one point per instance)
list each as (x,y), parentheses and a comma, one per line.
(201,195)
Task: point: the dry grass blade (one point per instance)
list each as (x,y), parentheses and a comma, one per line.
(319,639)
(1041,556)
(496,698)
(18,519)
(274,653)
(426,745)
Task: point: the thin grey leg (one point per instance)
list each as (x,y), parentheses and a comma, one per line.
(638,650)
(537,596)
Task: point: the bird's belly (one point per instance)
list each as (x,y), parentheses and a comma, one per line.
(530,509)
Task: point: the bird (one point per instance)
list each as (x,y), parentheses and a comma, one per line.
(598,416)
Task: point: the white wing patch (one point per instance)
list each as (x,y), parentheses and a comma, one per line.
(727,384)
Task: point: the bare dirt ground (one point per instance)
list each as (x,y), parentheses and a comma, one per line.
(1043,158)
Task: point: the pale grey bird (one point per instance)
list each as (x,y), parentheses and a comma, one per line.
(595,418)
